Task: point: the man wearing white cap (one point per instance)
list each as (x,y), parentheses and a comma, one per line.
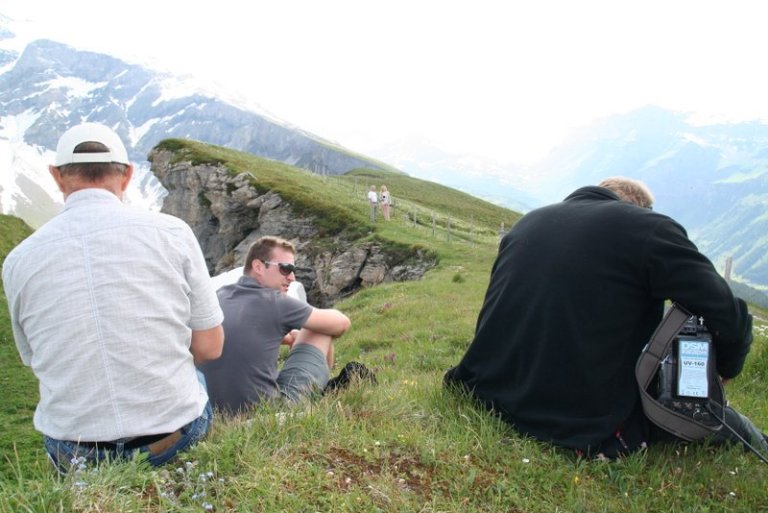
(112,308)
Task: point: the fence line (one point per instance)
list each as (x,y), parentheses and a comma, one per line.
(416,216)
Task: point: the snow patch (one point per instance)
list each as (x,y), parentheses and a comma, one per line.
(78,88)
(20,159)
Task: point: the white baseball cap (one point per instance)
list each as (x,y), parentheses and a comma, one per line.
(90,132)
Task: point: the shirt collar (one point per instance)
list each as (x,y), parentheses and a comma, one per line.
(247,281)
(88,196)
(593,192)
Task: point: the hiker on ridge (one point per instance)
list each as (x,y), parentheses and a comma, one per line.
(373,201)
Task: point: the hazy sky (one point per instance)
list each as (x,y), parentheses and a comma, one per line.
(502,79)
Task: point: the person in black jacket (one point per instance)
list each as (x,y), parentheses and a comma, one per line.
(576,292)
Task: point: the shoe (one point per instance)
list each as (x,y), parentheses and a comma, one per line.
(353,371)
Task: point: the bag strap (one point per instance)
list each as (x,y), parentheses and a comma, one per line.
(659,344)
(647,365)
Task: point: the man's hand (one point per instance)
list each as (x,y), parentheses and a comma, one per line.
(290,338)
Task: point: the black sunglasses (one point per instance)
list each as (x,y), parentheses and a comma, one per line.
(285,269)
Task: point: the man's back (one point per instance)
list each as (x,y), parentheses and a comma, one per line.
(256,318)
(105,295)
(576,291)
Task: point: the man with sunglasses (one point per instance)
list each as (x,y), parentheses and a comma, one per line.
(259,317)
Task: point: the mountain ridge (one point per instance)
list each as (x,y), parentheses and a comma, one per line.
(713,179)
(46,87)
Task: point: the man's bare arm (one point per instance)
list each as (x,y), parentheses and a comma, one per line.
(328,321)
(207,344)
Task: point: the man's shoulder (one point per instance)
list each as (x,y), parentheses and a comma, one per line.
(142,221)
(247,290)
(23,248)
(264,303)
(154,218)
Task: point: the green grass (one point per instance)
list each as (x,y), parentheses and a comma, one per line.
(405,444)
(18,386)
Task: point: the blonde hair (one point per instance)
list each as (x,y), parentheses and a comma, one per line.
(629,190)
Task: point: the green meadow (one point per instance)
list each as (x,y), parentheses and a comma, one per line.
(404,444)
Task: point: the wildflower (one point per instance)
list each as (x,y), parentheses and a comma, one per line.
(526,460)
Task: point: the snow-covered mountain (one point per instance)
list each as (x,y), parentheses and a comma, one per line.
(46,87)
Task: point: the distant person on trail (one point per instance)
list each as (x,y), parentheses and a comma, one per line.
(373,200)
(259,317)
(576,292)
(385,201)
(112,307)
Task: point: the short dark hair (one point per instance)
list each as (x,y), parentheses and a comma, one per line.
(262,248)
(92,171)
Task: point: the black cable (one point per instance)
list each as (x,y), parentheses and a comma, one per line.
(733,431)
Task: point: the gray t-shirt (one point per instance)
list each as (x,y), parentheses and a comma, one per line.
(256,319)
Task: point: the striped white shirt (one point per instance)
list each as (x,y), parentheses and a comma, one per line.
(103,300)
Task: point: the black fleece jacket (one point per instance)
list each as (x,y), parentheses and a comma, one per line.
(576,291)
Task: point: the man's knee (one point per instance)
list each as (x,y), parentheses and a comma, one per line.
(318,340)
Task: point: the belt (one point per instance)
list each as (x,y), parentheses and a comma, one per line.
(155,443)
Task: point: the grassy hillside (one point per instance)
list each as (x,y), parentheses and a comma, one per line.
(405,444)
(17,383)
(340,202)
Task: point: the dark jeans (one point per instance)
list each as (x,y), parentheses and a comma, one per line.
(66,454)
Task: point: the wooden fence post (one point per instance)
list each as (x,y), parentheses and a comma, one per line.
(433,224)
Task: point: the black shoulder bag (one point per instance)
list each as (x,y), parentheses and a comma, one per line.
(679,386)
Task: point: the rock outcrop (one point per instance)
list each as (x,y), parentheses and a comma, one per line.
(227,213)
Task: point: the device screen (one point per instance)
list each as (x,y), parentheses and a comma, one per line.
(692,361)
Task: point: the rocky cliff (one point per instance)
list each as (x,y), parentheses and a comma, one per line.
(228,211)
